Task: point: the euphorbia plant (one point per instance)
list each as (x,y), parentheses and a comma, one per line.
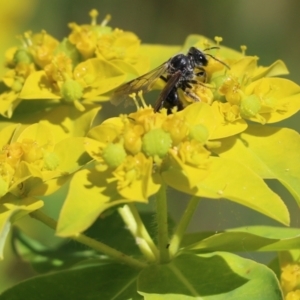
(221,147)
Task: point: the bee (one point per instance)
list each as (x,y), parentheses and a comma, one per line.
(179,72)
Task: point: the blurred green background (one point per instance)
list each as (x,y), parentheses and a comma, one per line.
(270,29)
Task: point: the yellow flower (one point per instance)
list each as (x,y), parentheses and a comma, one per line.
(41,46)
(93,61)
(21,66)
(26,155)
(119,47)
(294,295)
(87,82)
(122,49)
(138,149)
(243,91)
(85,37)
(290,277)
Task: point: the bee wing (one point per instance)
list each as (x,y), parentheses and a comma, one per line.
(143,83)
(172,81)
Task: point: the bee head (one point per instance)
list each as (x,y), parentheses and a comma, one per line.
(198,57)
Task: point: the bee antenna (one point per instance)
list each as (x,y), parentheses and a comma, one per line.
(211,48)
(220,61)
(215,47)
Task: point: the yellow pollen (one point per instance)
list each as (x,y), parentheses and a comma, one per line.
(106,20)
(243,48)
(218,40)
(94,14)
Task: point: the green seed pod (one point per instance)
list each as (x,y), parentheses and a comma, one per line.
(250,106)
(22,56)
(17,85)
(114,155)
(216,82)
(69,50)
(199,133)
(51,161)
(156,142)
(71,90)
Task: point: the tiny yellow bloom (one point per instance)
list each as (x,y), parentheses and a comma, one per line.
(24,155)
(293,295)
(85,37)
(290,277)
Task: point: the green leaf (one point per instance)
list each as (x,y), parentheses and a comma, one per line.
(12,209)
(229,179)
(225,241)
(109,281)
(89,195)
(109,229)
(215,276)
(250,238)
(270,152)
(287,238)
(44,259)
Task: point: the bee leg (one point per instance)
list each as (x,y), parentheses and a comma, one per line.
(188,85)
(201,73)
(173,101)
(193,96)
(163,78)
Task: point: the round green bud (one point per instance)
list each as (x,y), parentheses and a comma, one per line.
(250,106)
(199,133)
(71,90)
(69,50)
(51,161)
(114,155)
(217,81)
(22,56)
(156,142)
(17,85)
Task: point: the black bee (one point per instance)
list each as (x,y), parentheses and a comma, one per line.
(179,72)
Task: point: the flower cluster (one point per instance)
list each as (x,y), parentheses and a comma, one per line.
(143,149)
(26,154)
(244,90)
(290,281)
(93,60)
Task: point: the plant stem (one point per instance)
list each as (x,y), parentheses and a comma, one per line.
(83,239)
(182,225)
(132,219)
(162,224)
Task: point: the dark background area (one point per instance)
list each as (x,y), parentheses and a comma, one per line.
(270,29)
